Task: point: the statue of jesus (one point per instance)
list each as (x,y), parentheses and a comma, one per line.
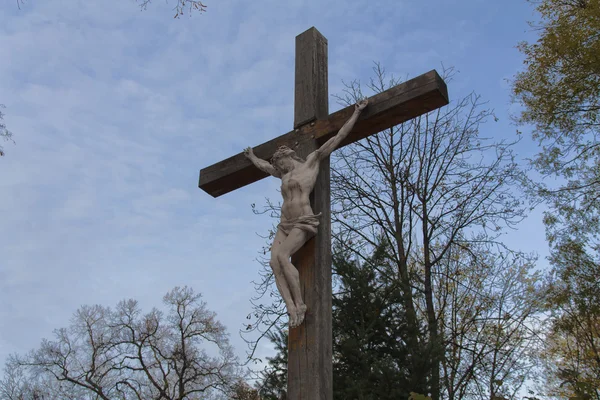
(298,222)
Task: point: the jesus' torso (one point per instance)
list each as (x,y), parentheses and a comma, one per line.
(296,186)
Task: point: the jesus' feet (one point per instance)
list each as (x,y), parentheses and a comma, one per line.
(296,315)
(300,313)
(293,316)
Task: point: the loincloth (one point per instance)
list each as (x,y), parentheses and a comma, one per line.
(307,223)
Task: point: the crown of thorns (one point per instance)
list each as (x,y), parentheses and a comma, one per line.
(284,151)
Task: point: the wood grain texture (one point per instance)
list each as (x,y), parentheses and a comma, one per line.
(310,373)
(398,104)
(310,93)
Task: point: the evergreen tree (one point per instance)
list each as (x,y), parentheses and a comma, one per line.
(273,384)
(368,325)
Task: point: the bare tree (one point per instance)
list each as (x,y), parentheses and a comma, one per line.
(122,353)
(429,186)
(269,309)
(5,134)
(488,307)
(180,7)
(15,384)
(243,391)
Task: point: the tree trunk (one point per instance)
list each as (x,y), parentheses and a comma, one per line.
(418,384)
(432,323)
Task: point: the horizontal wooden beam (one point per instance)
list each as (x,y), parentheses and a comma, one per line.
(399,104)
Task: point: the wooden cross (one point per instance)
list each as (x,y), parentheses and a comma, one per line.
(310,345)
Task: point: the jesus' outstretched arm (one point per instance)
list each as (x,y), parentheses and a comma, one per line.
(261,164)
(333,143)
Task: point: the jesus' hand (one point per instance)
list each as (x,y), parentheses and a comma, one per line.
(249,153)
(361,105)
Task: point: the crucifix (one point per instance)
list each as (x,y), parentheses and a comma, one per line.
(316,133)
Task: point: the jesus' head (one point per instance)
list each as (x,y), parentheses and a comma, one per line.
(284,158)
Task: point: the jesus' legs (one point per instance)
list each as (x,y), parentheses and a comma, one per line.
(290,245)
(280,278)
(284,291)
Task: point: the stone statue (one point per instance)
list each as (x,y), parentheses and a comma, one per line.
(298,222)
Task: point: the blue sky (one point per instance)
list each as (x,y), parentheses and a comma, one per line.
(115,110)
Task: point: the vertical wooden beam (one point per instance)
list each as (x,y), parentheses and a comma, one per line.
(311,98)
(310,374)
